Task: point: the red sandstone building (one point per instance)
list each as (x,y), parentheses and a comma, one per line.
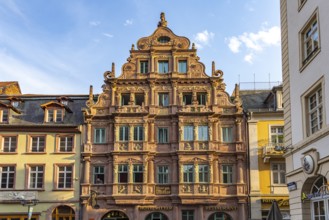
(164,141)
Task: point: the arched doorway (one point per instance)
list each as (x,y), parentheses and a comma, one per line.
(156,216)
(63,212)
(219,216)
(320,199)
(115,215)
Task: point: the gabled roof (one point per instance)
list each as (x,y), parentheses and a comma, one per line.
(9,106)
(56,104)
(10,88)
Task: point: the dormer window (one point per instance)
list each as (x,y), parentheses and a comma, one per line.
(15,104)
(55,115)
(4,115)
(55,111)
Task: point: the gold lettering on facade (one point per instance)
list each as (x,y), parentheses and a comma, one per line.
(155,208)
(162,190)
(221,208)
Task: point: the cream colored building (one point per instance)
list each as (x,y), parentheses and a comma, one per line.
(164,140)
(305,56)
(40,142)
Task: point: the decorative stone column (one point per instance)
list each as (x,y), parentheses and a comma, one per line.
(152,93)
(146,171)
(152,131)
(196,171)
(151,171)
(238,129)
(214,85)
(195,132)
(110,171)
(216,129)
(210,125)
(211,173)
(89,131)
(130,172)
(115,173)
(113,94)
(181,173)
(116,132)
(131,132)
(174,86)
(145,132)
(240,169)
(87,170)
(173,132)
(146,100)
(216,171)
(175,166)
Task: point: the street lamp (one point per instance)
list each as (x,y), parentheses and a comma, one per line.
(29,204)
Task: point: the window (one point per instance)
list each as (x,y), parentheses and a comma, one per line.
(163,174)
(36,174)
(66,144)
(163,99)
(125,98)
(55,115)
(202,98)
(38,144)
(203,173)
(138,173)
(188,133)
(310,39)
(98,174)
(315,110)
(156,216)
(63,212)
(227,134)
(123,173)
(227,173)
(187,215)
(138,133)
(187,99)
(139,99)
(163,135)
(219,216)
(277,134)
(7,177)
(9,144)
(144,66)
(65,177)
(99,136)
(163,66)
(4,115)
(182,66)
(124,133)
(278,173)
(203,133)
(188,173)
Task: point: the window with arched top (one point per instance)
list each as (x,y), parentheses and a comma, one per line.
(63,212)
(320,199)
(156,216)
(220,216)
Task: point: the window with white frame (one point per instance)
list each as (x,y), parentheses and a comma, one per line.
(98,174)
(203,173)
(163,99)
(182,66)
(9,144)
(163,135)
(4,115)
(163,66)
(227,173)
(66,144)
(310,39)
(38,144)
(203,133)
(187,215)
(278,173)
(315,110)
(138,173)
(7,173)
(54,115)
(188,133)
(144,66)
(202,98)
(124,133)
(99,135)
(64,176)
(163,174)
(188,171)
(36,176)
(123,173)
(227,134)
(138,133)
(277,135)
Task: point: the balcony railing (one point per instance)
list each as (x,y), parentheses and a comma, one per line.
(193,145)
(272,150)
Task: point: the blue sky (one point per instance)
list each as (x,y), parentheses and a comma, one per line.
(62,47)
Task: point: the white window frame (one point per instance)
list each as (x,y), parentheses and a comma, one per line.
(65,174)
(227,169)
(6,176)
(39,175)
(203,173)
(57,115)
(124,97)
(102,135)
(163,174)
(38,147)
(98,171)
(275,134)
(203,133)
(279,172)
(4,115)
(12,144)
(188,132)
(188,175)
(66,148)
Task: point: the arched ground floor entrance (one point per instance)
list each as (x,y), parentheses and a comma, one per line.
(115,215)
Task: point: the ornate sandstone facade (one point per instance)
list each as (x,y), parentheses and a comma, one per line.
(164,140)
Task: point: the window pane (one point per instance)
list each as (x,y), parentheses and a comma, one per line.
(202,98)
(162,135)
(144,67)
(125,98)
(163,99)
(188,133)
(163,66)
(182,66)
(227,134)
(203,133)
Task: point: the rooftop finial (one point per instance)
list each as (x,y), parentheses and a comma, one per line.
(162,22)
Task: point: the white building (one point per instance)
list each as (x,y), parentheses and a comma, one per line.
(305,58)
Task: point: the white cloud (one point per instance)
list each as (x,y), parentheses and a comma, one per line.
(203,38)
(94,23)
(107,35)
(128,22)
(255,42)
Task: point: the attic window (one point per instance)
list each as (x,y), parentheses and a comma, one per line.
(163,39)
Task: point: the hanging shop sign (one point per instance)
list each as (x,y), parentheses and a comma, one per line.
(308,164)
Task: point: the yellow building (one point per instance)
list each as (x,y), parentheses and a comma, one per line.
(40,141)
(266,163)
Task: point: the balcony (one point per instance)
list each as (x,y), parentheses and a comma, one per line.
(272,150)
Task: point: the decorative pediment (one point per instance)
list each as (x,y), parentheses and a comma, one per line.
(55,105)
